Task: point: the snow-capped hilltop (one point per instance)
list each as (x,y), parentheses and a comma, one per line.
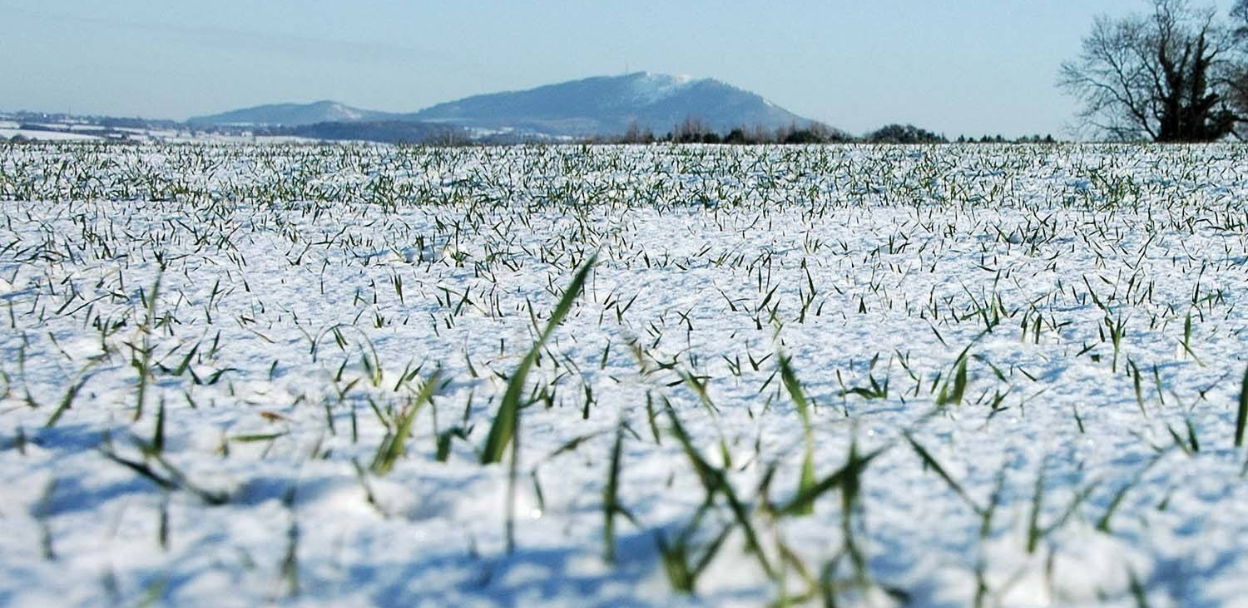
(651,87)
(607,105)
(289,115)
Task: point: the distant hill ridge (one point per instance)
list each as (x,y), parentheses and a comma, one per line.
(597,106)
(290,115)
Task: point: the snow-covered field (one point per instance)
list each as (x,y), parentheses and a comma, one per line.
(9,133)
(924,376)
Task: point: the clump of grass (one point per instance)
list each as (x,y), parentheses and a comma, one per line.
(953,389)
(715,483)
(392,447)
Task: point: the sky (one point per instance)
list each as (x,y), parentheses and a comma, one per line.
(952,66)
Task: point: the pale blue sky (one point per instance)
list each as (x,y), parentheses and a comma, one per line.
(954,66)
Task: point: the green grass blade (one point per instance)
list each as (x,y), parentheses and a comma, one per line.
(804,500)
(144,364)
(67,402)
(504,425)
(1242,416)
(949,480)
(610,498)
(794,387)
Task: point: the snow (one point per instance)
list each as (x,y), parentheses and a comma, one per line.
(650,88)
(48,135)
(345,112)
(281,293)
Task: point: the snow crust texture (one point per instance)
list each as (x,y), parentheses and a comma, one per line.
(894,376)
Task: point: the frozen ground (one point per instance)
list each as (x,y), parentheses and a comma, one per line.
(9,133)
(1022,368)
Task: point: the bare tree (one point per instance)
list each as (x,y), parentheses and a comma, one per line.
(637,134)
(691,130)
(1158,76)
(1235,76)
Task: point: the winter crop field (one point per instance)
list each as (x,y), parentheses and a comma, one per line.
(621,376)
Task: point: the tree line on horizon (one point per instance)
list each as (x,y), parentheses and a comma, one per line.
(694,130)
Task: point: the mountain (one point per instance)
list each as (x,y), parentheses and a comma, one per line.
(290,115)
(599,106)
(607,105)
